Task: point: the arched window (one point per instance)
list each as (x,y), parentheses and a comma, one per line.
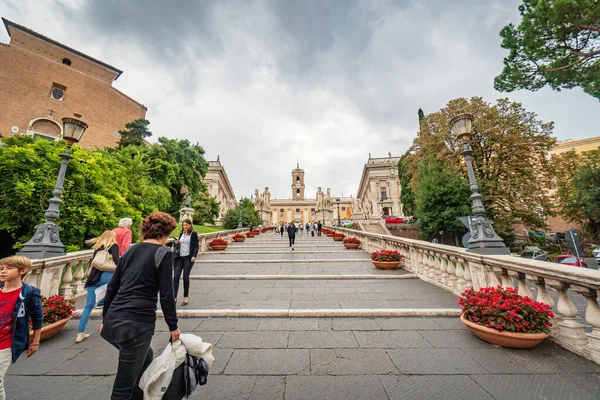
(66,61)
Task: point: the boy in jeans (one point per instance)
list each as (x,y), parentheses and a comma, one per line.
(18,303)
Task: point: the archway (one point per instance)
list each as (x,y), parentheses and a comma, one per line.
(45,128)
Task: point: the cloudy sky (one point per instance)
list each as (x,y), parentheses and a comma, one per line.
(262,83)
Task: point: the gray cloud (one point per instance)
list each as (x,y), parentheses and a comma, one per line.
(263,82)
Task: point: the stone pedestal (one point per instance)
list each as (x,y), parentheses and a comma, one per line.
(327,217)
(358,216)
(265,217)
(186,213)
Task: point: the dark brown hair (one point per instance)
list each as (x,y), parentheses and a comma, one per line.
(157,225)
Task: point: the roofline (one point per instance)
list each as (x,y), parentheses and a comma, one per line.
(8,24)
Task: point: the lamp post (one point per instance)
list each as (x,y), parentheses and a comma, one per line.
(484,239)
(240,225)
(45,242)
(337,200)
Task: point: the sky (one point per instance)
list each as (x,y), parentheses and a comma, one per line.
(263,83)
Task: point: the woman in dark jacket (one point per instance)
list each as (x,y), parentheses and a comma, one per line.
(184,260)
(97,278)
(129,314)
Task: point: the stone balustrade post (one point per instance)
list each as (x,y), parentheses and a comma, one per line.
(65,288)
(461,283)
(592,317)
(523,287)
(451,270)
(78,283)
(571,331)
(544,297)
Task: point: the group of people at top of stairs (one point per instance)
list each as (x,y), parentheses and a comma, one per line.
(294,227)
(142,272)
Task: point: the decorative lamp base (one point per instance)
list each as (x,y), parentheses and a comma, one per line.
(484,239)
(45,243)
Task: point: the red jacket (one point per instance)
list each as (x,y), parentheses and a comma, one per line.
(123,239)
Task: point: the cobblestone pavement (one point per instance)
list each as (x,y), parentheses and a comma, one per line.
(320,358)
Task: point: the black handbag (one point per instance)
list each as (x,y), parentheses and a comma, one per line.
(192,373)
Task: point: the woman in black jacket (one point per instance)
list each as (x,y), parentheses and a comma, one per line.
(184,260)
(129,314)
(97,278)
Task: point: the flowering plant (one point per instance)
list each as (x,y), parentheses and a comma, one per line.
(250,234)
(266,229)
(326,231)
(386,256)
(218,242)
(57,308)
(238,236)
(256,231)
(352,240)
(505,310)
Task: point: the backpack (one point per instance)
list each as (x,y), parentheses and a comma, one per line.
(191,374)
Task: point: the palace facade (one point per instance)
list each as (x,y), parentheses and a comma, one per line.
(379,189)
(220,188)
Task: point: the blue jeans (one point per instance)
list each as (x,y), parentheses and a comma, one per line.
(90,300)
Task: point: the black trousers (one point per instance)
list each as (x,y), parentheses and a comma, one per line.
(292,239)
(184,264)
(132,339)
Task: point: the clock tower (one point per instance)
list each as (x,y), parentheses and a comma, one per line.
(298,183)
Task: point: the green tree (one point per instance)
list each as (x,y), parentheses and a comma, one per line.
(557,44)
(578,187)
(135,133)
(442,196)
(249,215)
(206,209)
(407,196)
(510,147)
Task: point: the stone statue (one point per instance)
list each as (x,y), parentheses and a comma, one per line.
(327,202)
(319,199)
(258,202)
(187,201)
(266,199)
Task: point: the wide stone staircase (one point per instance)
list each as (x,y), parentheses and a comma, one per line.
(319,322)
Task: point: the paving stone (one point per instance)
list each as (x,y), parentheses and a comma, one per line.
(544,360)
(355,324)
(266,305)
(365,304)
(44,361)
(350,362)
(291,296)
(322,340)
(228,324)
(453,338)
(300,305)
(57,387)
(268,388)
(226,387)
(185,324)
(90,362)
(434,362)
(222,357)
(433,387)
(449,322)
(334,388)
(530,387)
(254,340)
(269,362)
(390,339)
(288,324)
(388,324)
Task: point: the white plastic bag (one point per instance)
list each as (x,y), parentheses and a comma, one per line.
(100,293)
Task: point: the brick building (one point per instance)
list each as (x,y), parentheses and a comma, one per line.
(42,81)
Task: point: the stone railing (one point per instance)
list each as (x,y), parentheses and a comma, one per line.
(455,269)
(65,275)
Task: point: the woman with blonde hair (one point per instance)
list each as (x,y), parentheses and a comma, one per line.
(99,275)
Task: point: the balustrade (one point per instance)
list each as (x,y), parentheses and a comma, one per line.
(455,269)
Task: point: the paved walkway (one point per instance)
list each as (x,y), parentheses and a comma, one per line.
(318,358)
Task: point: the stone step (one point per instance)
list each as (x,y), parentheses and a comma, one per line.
(306,313)
(300,277)
(283,251)
(346,260)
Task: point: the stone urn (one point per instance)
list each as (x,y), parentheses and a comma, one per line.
(51,330)
(505,339)
(352,245)
(218,247)
(386,264)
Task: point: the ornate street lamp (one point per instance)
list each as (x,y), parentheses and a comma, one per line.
(337,199)
(45,242)
(484,239)
(240,226)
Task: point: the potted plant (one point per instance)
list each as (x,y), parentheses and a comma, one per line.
(265,229)
(238,238)
(338,237)
(57,312)
(504,317)
(386,259)
(250,234)
(327,232)
(218,244)
(256,232)
(352,243)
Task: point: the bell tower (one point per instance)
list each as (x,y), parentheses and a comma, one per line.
(298,183)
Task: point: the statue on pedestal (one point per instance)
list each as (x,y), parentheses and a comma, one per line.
(319,199)
(258,201)
(266,199)
(327,202)
(186,211)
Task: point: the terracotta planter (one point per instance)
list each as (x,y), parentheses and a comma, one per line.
(51,330)
(219,247)
(352,245)
(250,235)
(239,239)
(338,238)
(329,234)
(504,339)
(386,264)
